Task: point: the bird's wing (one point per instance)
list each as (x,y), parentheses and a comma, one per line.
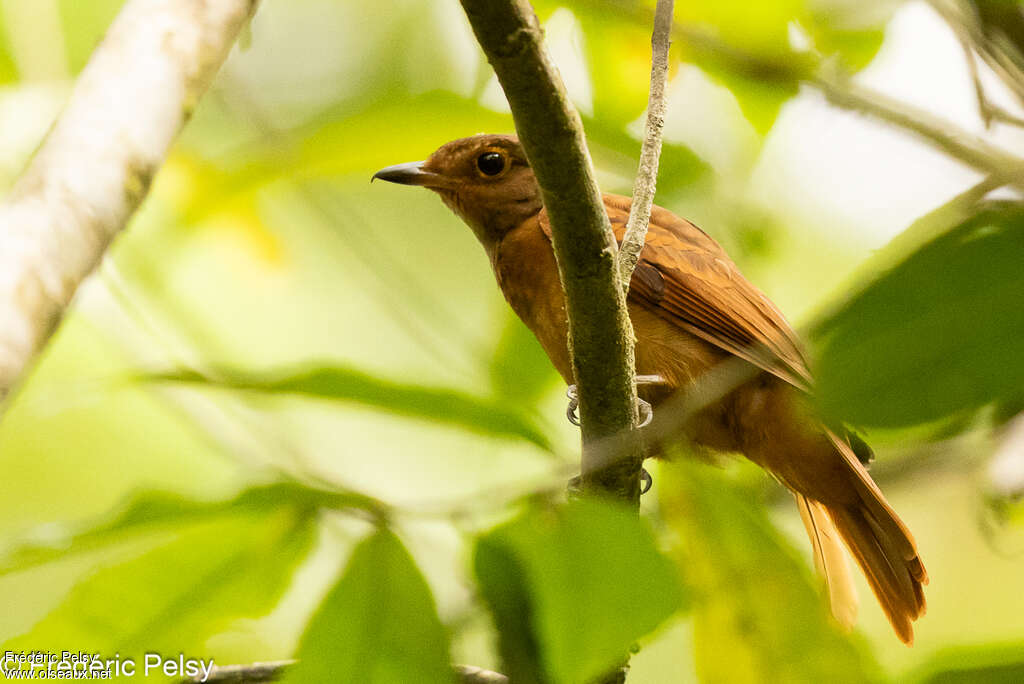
(687,278)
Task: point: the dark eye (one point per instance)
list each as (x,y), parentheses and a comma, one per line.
(490,163)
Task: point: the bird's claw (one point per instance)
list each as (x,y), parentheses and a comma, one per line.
(574,489)
(574,403)
(575,486)
(646,411)
(646,481)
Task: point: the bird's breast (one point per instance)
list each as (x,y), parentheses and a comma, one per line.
(524,265)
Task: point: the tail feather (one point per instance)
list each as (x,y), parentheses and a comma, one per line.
(891,579)
(882,546)
(883,515)
(830,560)
(876,538)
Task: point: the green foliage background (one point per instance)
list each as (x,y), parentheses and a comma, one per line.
(291,413)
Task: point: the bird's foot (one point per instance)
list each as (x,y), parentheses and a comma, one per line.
(574,403)
(574,489)
(646,411)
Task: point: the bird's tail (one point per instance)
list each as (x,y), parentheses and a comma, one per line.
(830,560)
(879,542)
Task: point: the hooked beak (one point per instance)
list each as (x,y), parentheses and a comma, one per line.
(411,173)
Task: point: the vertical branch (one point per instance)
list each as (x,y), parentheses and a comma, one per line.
(600,332)
(650,153)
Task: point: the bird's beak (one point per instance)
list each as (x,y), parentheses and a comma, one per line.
(411,173)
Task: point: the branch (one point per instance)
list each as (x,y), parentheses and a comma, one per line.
(647,174)
(258,673)
(990,31)
(95,167)
(600,332)
(970,149)
(842,91)
(966,23)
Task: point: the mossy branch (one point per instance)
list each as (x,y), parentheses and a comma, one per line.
(600,332)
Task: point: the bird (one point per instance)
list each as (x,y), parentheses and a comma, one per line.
(692,310)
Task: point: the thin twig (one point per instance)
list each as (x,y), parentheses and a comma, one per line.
(842,91)
(984,108)
(987,110)
(970,149)
(258,673)
(647,173)
(965,21)
(795,68)
(253,673)
(970,42)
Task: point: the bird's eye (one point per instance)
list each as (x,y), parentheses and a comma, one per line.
(490,163)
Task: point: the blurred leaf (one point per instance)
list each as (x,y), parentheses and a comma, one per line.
(745,46)
(403,129)
(757,616)
(164,511)
(761,30)
(856,47)
(572,589)
(933,335)
(1007,409)
(336,383)
(378,625)
(995,664)
(619,60)
(504,584)
(172,598)
(760,101)
(520,369)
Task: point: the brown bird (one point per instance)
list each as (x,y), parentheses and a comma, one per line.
(692,309)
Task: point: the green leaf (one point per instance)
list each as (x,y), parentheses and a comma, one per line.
(337,383)
(994,664)
(760,101)
(757,616)
(172,598)
(332,145)
(621,76)
(378,625)
(154,512)
(572,589)
(505,587)
(935,334)
(855,47)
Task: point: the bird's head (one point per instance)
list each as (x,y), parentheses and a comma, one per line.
(484,179)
